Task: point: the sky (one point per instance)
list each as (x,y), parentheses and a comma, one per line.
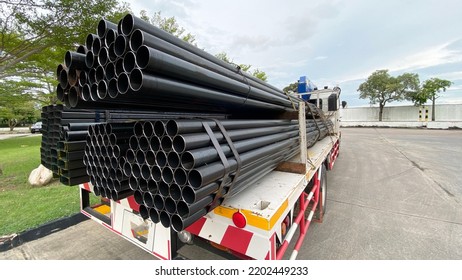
(332,42)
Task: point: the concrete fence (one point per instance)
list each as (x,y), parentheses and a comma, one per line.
(446,116)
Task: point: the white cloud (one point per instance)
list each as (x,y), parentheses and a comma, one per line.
(320,57)
(436,55)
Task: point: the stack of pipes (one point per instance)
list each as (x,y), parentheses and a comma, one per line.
(64,134)
(176,173)
(135,64)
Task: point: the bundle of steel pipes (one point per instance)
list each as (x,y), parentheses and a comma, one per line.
(135,64)
(63,142)
(64,133)
(175,172)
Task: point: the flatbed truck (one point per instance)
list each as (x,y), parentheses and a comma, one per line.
(258,223)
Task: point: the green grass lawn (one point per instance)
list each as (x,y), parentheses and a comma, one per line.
(21,205)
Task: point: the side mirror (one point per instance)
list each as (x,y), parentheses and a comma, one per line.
(332,102)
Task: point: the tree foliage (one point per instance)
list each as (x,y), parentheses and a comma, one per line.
(244,67)
(16,104)
(28,27)
(429,90)
(34,36)
(293,87)
(381,88)
(170,25)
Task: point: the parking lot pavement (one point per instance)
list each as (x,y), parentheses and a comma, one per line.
(84,241)
(393,194)
(12,135)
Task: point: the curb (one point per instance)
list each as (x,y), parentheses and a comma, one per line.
(41,231)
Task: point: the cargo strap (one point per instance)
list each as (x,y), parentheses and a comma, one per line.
(224,187)
(239,71)
(317,126)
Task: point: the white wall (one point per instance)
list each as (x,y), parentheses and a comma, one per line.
(447,115)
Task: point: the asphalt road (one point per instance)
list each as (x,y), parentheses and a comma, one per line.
(393,194)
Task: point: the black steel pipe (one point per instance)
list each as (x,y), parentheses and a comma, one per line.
(148,129)
(167,175)
(74,60)
(63,78)
(140,157)
(199,157)
(179,223)
(191,195)
(161,159)
(118,195)
(156,174)
(150,158)
(134,183)
(170,205)
(136,171)
(191,141)
(82,78)
(180,176)
(158,202)
(138,196)
(186,210)
(75,135)
(89,41)
(103,27)
(73,76)
(163,188)
(72,146)
(129,61)
(109,69)
(143,143)
(152,186)
(90,60)
(140,37)
(144,212)
(120,45)
(166,143)
(158,86)
(96,46)
(145,172)
(100,74)
(165,64)
(165,219)
(209,173)
(175,192)
(154,215)
(173,159)
(103,56)
(60,92)
(110,37)
(148,199)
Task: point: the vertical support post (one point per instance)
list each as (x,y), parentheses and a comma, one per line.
(317,186)
(302,129)
(302,206)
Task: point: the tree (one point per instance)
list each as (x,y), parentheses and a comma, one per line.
(34,35)
(381,88)
(429,91)
(257,73)
(16,104)
(28,27)
(170,25)
(292,87)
